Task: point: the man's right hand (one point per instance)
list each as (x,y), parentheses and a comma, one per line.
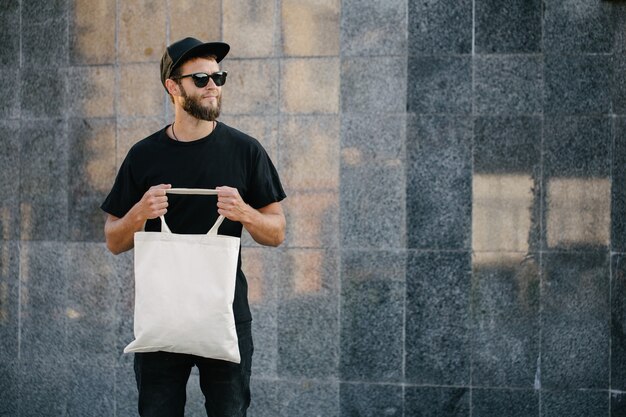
(153,203)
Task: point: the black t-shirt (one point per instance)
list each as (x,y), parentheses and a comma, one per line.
(224,157)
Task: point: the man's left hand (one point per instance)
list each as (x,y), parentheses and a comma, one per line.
(231,205)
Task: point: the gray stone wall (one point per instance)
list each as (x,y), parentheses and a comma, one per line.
(456,189)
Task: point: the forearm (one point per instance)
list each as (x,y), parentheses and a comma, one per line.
(120,232)
(265,228)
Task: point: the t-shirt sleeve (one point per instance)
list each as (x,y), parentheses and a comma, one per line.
(265,186)
(125,192)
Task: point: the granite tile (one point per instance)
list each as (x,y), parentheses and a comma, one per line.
(310,28)
(10,161)
(141,42)
(249,26)
(505,320)
(572,26)
(439,85)
(44,96)
(9,302)
(439,182)
(90,90)
(371,28)
(10,219)
(91,175)
(44,219)
(579,403)
(312,219)
(618,185)
(9,392)
(618,404)
(125,303)
(373,206)
(44,269)
(511,27)
(251,87)
(309,148)
(504,402)
(310,85)
(618,81)
(44,43)
(92,41)
(577,84)
(37,11)
(506,184)
(199,19)
(437,28)
(575,321)
(309,398)
(194,407)
(373,85)
(140,91)
(577,169)
(9,80)
(91,391)
(308,311)
(91,309)
(126,397)
(511,84)
(43,385)
(265,397)
(10,52)
(438,322)
(372,315)
(618,323)
(436,402)
(371,400)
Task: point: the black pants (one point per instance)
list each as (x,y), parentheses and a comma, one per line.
(162,381)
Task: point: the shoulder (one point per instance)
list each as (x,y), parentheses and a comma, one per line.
(239,138)
(146,145)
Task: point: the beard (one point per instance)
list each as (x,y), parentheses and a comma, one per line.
(193,106)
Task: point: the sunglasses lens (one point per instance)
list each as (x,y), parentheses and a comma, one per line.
(200,79)
(219,78)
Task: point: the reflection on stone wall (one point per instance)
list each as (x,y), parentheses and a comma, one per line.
(456,195)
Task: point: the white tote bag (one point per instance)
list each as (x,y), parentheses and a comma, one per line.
(184,291)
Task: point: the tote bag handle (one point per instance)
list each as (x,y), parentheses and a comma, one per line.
(193,191)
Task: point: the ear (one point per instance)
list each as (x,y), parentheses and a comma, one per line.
(172,87)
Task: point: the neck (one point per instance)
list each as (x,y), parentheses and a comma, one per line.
(187,129)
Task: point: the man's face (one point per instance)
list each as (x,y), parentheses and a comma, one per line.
(202,103)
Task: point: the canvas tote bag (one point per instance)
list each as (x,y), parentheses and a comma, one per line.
(184,291)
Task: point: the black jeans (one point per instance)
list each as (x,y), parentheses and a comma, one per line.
(162,381)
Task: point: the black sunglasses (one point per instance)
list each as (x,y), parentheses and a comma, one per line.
(201,79)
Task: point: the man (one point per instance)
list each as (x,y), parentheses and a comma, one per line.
(196,151)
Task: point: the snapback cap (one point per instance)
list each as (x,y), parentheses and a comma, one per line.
(187,48)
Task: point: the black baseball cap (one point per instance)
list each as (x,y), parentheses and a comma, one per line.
(184,49)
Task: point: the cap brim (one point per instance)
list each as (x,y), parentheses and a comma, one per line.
(219,49)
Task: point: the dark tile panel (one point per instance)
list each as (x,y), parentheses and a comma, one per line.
(439,85)
(371,400)
(372,27)
(45,43)
(284,398)
(9,85)
(9,384)
(437,402)
(372,315)
(618,186)
(574,403)
(9,301)
(439,182)
(618,404)
(574,26)
(373,181)
(308,314)
(43,388)
(511,27)
(503,402)
(91,391)
(508,85)
(44,271)
(618,323)
(125,304)
(373,84)
(10,51)
(505,317)
(575,321)
(577,84)
(438,318)
(126,396)
(618,81)
(9,179)
(42,93)
(437,28)
(37,11)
